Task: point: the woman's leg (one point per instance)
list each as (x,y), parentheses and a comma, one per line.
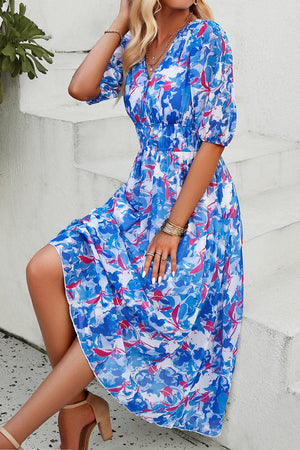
(46,288)
(68,378)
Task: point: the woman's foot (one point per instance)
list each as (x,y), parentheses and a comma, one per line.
(71,422)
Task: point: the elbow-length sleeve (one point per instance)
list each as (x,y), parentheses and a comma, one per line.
(112,79)
(212,88)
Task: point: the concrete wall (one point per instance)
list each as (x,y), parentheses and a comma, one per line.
(267,58)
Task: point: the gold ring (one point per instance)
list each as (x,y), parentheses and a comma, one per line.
(150,253)
(157,253)
(164,259)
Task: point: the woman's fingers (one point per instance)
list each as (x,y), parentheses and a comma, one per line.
(148,261)
(162,246)
(159,265)
(162,267)
(173,261)
(155,268)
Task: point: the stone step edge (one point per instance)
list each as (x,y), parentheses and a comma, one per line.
(269,312)
(79,114)
(288,387)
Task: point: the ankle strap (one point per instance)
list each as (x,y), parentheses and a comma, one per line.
(74,405)
(10,438)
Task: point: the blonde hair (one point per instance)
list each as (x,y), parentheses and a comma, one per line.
(143,29)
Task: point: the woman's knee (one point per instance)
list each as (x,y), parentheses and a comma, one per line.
(44,265)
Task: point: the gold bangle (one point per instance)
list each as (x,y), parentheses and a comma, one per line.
(170,229)
(114,31)
(177,226)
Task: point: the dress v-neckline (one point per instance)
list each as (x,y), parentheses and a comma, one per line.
(167,53)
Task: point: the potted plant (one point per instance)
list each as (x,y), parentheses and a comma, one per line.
(19,51)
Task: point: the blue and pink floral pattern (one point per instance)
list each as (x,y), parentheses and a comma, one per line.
(166,351)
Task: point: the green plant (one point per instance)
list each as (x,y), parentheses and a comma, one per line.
(19,51)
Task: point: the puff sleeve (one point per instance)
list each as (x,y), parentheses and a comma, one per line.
(212,89)
(112,79)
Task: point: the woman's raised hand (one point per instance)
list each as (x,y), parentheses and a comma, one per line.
(124,11)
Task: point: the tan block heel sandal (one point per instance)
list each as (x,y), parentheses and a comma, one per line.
(100,408)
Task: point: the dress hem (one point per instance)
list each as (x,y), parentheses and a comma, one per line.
(99,381)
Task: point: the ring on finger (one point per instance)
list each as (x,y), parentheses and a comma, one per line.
(150,253)
(164,259)
(157,253)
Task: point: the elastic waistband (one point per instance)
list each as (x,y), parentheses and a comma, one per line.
(168,137)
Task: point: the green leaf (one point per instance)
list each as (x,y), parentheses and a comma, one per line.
(21,51)
(17,68)
(22,9)
(47,57)
(9,50)
(39,66)
(39,51)
(3,42)
(12,6)
(31,75)
(7,65)
(27,65)
(35,49)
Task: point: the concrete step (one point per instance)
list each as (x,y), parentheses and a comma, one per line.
(256,163)
(271,233)
(273,302)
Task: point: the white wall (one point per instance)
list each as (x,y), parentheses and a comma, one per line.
(265,40)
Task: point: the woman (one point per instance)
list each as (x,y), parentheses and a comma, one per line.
(146,292)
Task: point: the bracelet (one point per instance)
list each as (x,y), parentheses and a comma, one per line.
(172,229)
(177,226)
(114,31)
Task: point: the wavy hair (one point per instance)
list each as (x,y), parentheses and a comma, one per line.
(143,29)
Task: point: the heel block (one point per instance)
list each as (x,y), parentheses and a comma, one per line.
(102,415)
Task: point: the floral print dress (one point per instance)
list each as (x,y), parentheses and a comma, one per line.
(166,351)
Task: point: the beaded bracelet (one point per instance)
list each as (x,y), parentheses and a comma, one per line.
(114,31)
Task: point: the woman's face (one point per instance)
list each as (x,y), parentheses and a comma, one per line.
(177,4)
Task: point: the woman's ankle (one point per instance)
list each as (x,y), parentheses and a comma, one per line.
(79,398)
(5,443)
